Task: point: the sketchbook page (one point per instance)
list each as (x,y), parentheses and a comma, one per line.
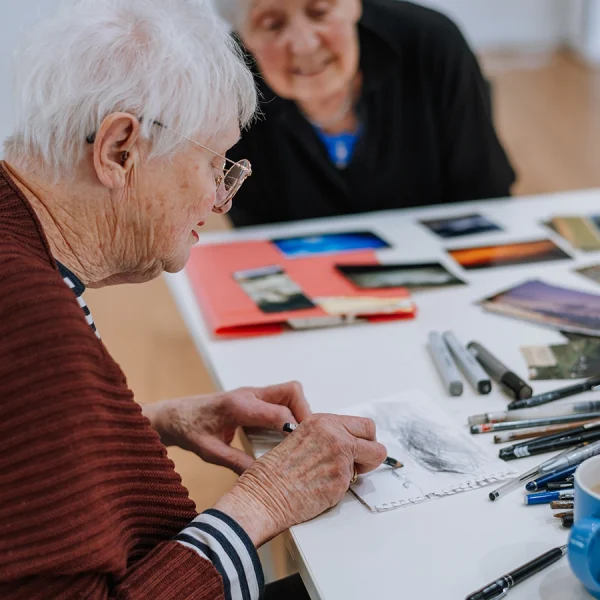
(439,458)
(263,440)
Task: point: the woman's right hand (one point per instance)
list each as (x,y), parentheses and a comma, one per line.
(309,472)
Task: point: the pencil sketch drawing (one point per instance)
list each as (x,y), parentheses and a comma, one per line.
(431,443)
(439,457)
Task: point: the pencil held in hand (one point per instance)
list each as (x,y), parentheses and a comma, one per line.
(389,461)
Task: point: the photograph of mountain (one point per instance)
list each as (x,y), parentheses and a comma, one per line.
(549,305)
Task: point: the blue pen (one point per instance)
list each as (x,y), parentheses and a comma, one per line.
(547,497)
(559,475)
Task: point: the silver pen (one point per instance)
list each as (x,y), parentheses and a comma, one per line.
(545,421)
(532,413)
(473,371)
(517,482)
(574,457)
(445,364)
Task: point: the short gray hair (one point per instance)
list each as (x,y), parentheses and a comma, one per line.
(172,61)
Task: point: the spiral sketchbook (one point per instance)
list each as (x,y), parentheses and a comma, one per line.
(439,458)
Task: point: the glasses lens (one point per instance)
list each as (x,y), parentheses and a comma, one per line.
(232,182)
(236,175)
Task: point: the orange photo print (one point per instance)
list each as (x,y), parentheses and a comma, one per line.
(503,255)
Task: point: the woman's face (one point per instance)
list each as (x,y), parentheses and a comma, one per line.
(307,50)
(175,196)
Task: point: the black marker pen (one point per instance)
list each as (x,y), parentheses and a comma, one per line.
(578,388)
(511,382)
(499,588)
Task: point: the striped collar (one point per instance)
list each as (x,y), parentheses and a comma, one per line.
(73,281)
(78,288)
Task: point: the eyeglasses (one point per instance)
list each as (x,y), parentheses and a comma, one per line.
(228,182)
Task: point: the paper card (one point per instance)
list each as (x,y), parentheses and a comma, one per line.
(462,225)
(330,243)
(504,255)
(408,275)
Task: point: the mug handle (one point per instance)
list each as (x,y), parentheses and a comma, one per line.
(582,541)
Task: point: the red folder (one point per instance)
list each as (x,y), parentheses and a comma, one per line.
(230,312)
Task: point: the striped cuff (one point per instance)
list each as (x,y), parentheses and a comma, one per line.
(218,538)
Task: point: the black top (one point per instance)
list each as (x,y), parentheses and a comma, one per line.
(427,137)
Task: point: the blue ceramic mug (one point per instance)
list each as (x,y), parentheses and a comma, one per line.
(584,542)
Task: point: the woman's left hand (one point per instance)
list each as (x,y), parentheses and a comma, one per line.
(206,425)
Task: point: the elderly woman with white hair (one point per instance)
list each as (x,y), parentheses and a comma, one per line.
(368,105)
(125,109)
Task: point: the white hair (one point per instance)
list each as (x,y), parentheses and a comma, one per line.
(171,61)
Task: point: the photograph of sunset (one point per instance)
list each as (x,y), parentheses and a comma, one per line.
(486,257)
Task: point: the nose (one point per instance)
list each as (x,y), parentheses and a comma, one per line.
(302,36)
(221,210)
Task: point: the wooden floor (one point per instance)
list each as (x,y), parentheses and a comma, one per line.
(548,116)
(547,111)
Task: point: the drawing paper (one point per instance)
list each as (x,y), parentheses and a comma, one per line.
(440,458)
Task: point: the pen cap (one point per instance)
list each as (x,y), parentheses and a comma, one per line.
(479,419)
(518,388)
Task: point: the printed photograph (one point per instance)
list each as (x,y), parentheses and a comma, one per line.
(330,243)
(364,305)
(581,232)
(595,219)
(272,290)
(549,305)
(471,224)
(409,275)
(592,272)
(576,360)
(505,255)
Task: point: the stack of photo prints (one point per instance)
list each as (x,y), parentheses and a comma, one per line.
(331,278)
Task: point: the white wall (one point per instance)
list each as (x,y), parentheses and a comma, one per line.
(509,24)
(576,20)
(17,15)
(585,29)
(488,24)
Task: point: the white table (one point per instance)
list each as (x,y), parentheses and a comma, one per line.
(449,547)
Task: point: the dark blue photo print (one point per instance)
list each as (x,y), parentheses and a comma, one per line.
(463,225)
(330,243)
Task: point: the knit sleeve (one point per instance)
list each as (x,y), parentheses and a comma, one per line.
(89,501)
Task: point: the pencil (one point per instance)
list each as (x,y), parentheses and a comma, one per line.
(562,504)
(535,432)
(563,514)
(389,461)
(567,521)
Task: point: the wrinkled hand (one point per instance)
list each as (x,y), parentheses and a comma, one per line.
(206,425)
(305,475)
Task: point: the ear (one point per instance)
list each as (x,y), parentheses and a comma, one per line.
(113,149)
(356,10)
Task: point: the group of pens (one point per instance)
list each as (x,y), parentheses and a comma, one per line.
(573,428)
(576,431)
